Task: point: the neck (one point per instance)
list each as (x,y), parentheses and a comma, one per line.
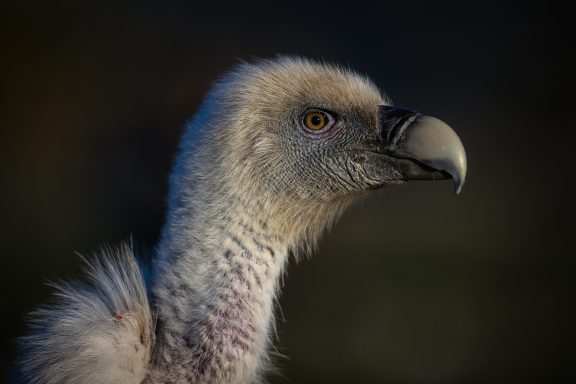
(217,276)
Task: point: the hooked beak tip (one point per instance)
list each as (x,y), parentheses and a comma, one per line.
(425,140)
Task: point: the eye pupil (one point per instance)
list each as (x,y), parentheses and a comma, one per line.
(316,120)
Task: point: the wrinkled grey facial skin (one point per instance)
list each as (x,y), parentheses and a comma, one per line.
(345,158)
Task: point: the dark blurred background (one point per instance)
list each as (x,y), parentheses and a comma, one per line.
(415,285)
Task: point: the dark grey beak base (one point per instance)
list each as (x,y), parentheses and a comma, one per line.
(425,148)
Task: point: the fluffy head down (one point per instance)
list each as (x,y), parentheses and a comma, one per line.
(249,139)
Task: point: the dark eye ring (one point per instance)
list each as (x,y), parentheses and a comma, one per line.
(316,120)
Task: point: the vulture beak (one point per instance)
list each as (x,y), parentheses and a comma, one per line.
(423,147)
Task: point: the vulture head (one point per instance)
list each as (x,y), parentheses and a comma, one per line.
(304,139)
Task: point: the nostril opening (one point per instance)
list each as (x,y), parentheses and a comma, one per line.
(394,120)
(401,123)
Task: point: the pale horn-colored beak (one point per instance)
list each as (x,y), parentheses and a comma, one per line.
(433,149)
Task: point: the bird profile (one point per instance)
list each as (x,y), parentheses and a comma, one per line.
(278,149)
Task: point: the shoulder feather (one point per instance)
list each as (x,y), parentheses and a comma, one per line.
(100,331)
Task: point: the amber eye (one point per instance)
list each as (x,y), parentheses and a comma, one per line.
(315,121)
